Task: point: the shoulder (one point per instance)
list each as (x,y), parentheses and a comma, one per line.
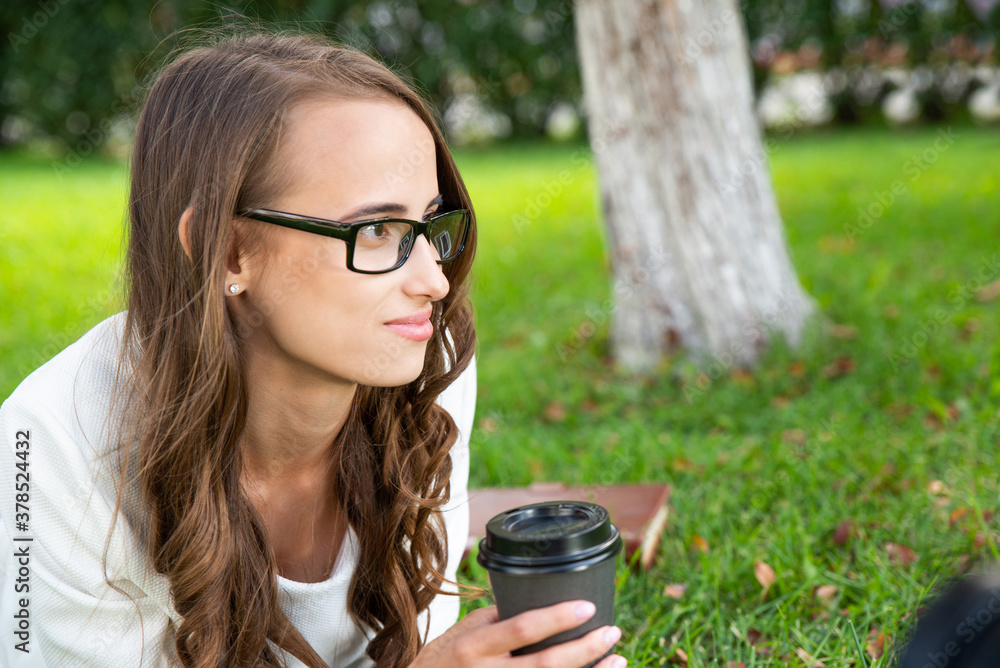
(63,408)
(75,385)
(60,415)
(57,422)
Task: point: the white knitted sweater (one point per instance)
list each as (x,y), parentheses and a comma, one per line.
(51,566)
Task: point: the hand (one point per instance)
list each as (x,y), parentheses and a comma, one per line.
(481,640)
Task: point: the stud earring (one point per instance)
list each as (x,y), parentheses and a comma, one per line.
(234,288)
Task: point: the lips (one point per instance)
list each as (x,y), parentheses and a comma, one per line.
(414,319)
(414,327)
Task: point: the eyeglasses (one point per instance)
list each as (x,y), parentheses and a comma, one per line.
(382,245)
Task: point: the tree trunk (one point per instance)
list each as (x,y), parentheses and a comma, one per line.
(696,240)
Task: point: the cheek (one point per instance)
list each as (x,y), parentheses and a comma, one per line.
(303,268)
(308,288)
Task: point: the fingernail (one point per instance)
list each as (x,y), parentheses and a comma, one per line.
(585,610)
(620,662)
(612,635)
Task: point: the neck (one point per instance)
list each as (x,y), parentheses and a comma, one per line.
(293,420)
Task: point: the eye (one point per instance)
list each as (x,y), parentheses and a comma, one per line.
(373,231)
(375,234)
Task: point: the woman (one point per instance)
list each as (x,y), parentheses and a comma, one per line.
(248,467)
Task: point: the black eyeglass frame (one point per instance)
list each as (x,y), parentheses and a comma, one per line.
(348,232)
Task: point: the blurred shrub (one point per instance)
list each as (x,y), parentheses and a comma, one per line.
(70,69)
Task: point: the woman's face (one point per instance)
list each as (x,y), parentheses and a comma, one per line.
(346,161)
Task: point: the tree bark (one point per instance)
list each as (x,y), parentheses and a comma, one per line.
(696,240)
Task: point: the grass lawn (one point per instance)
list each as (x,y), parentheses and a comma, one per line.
(884,424)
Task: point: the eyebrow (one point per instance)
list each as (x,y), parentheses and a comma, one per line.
(387,208)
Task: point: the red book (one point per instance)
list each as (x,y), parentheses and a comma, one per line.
(639,511)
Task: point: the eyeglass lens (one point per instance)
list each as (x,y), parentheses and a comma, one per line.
(380,246)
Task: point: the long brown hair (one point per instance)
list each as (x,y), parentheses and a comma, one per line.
(207,140)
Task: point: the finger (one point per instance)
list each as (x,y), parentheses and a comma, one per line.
(479,617)
(613,661)
(532,626)
(578,652)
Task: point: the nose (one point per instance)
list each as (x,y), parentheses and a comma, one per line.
(424,276)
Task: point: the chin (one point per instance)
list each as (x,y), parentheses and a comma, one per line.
(376,376)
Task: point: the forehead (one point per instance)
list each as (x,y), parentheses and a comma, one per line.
(354,151)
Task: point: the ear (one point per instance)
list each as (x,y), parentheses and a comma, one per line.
(236,266)
(182,231)
(239,269)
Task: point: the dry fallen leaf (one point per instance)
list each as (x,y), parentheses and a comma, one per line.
(796,436)
(808,658)
(842,365)
(843,331)
(675,590)
(979,541)
(957,515)
(962,564)
(900,554)
(680,464)
(988,292)
(741,376)
(876,644)
(829,244)
(765,575)
(555,412)
(797,368)
(971,326)
(699,543)
(826,592)
(754,637)
(735,664)
(844,532)
(679,656)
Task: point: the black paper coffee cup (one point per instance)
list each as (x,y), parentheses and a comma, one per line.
(546,553)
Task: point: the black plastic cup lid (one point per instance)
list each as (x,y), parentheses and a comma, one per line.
(571,534)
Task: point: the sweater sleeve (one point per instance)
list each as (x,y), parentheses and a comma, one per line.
(56,608)
(459,399)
